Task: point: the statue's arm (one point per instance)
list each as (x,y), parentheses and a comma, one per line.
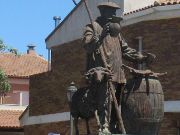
(131,54)
(89,39)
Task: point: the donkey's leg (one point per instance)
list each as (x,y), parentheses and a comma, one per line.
(76,125)
(102,107)
(87,126)
(97,118)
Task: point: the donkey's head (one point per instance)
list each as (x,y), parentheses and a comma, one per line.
(98,74)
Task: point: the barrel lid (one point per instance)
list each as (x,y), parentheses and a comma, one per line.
(144,85)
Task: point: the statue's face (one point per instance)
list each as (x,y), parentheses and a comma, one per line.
(108,12)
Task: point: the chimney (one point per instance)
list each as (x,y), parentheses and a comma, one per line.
(31,49)
(57,20)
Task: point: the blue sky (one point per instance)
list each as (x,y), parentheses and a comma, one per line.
(24,22)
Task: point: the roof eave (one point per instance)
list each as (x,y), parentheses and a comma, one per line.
(139,16)
(19,77)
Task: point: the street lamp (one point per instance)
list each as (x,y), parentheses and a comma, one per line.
(70,92)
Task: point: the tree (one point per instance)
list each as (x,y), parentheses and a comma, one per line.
(4,48)
(4,85)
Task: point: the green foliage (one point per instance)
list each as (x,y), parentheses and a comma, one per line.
(13,50)
(4,84)
(4,48)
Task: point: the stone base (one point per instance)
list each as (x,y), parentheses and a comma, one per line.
(112,134)
(108,133)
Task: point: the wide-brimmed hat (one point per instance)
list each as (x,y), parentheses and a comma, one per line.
(108,4)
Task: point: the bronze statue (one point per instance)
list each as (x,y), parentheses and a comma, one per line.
(107,86)
(105,48)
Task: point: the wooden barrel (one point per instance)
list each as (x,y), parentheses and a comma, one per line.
(143,106)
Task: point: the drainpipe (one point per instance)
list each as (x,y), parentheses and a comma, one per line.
(49,59)
(21,99)
(140,49)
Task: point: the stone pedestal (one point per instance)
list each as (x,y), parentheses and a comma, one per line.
(112,134)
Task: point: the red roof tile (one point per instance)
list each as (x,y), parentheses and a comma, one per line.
(10,119)
(23,65)
(156,3)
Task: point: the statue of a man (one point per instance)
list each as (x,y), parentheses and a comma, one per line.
(104,36)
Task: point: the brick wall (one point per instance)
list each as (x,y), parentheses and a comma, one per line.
(11,133)
(44,129)
(170,126)
(62,128)
(161,37)
(48,90)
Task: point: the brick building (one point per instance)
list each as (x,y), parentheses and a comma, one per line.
(158,22)
(18,68)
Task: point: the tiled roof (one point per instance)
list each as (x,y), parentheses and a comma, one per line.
(156,3)
(23,65)
(10,119)
(168,2)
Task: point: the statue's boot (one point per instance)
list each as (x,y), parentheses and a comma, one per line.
(104,132)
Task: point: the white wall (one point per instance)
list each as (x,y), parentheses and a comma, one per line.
(42,119)
(25,98)
(172,106)
(131,5)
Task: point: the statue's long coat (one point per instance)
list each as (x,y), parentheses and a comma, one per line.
(114,49)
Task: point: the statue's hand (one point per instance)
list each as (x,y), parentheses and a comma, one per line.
(149,58)
(96,39)
(99,38)
(105,31)
(150,55)
(146,58)
(140,58)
